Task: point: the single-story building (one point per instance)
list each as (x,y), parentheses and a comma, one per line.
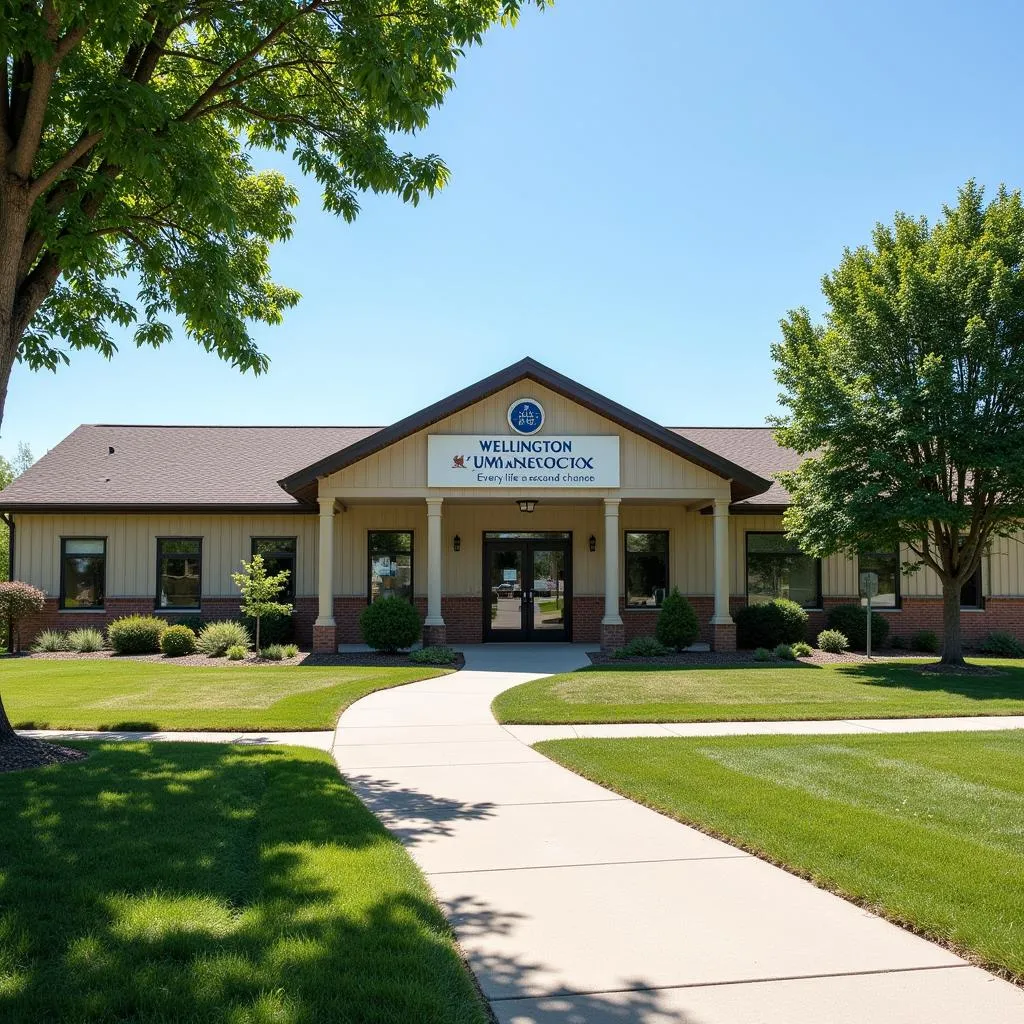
(523,507)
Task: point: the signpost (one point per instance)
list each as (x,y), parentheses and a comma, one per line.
(868,589)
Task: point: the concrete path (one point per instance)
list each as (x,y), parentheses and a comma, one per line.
(576,906)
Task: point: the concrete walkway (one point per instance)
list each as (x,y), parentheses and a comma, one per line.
(576,906)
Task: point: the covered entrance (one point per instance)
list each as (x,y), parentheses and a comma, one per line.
(527,587)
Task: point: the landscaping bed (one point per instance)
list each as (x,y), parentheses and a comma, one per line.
(685,659)
(369,659)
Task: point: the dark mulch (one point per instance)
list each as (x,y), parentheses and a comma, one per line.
(21,753)
(939,669)
(376,659)
(364,659)
(723,659)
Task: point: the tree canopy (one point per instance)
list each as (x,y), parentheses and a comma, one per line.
(127,133)
(908,398)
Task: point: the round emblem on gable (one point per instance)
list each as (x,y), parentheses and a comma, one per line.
(526,416)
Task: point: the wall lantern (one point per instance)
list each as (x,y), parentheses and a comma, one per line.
(527,504)
(592,543)
(456,543)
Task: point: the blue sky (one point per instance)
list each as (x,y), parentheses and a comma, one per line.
(639,192)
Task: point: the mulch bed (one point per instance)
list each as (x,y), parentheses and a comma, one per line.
(19,753)
(724,659)
(365,658)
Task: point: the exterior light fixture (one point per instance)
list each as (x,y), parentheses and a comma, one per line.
(456,543)
(592,543)
(527,504)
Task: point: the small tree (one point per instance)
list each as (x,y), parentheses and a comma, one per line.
(677,625)
(17,601)
(260,590)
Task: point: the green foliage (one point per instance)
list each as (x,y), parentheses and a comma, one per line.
(136,634)
(291,650)
(86,640)
(390,624)
(802,649)
(926,641)
(770,623)
(762,654)
(677,625)
(898,643)
(8,472)
(17,601)
(50,641)
(852,619)
(260,591)
(178,641)
(276,627)
(435,655)
(641,647)
(1002,645)
(833,641)
(216,637)
(273,652)
(194,622)
(236,652)
(785,652)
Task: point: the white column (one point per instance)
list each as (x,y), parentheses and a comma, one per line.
(434,617)
(611,563)
(325,616)
(721,518)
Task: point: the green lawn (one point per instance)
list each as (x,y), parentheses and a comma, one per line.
(116,694)
(160,883)
(925,828)
(747,693)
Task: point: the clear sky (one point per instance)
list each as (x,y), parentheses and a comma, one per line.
(640,190)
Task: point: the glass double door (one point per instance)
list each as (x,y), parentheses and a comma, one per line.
(527,589)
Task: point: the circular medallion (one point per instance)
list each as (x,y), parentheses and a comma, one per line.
(526,415)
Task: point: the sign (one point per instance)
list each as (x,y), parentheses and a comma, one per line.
(522,463)
(526,416)
(510,575)
(869,584)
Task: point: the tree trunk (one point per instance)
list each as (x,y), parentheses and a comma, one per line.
(952,641)
(14,215)
(6,729)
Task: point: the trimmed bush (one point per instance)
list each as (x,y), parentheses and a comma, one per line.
(802,649)
(17,601)
(85,640)
(770,623)
(1002,645)
(136,634)
(217,637)
(390,624)
(833,641)
(784,652)
(273,652)
(677,625)
(641,647)
(898,643)
(433,656)
(275,627)
(236,652)
(193,621)
(852,621)
(50,641)
(925,641)
(762,654)
(178,641)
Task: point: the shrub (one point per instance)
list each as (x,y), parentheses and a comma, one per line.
(273,652)
(50,641)
(390,624)
(217,637)
(433,656)
(1002,645)
(194,622)
(136,634)
(86,640)
(833,641)
(641,647)
(291,650)
(802,649)
(236,652)
(762,654)
(275,627)
(898,643)
(785,652)
(17,601)
(677,625)
(178,641)
(770,623)
(852,620)
(925,641)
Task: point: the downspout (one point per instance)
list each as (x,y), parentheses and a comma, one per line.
(9,520)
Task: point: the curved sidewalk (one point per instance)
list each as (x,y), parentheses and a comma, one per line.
(574,905)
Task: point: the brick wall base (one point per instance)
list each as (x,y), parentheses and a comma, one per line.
(435,636)
(612,636)
(325,639)
(723,636)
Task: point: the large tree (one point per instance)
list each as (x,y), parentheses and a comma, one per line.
(127,130)
(908,399)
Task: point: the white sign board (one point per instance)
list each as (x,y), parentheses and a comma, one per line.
(510,575)
(530,463)
(868,584)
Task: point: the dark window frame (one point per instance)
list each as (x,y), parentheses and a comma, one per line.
(898,596)
(285,596)
(746,567)
(178,608)
(62,598)
(625,568)
(412,564)
(980,605)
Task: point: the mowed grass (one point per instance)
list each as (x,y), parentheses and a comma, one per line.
(110,693)
(158,883)
(770,693)
(926,828)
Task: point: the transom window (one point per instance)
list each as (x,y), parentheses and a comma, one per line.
(83,572)
(646,568)
(179,566)
(776,567)
(278,556)
(886,566)
(389,564)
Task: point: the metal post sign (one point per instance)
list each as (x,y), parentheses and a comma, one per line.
(868,589)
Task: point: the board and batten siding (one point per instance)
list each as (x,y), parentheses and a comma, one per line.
(131,548)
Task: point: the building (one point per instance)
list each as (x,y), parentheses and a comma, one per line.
(524,507)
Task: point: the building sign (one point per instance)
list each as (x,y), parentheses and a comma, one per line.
(526,416)
(474,460)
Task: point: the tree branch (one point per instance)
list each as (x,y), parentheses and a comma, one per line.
(49,177)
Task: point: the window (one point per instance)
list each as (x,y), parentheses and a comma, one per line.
(179,562)
(390,564)
(776,567)
(886,565)
(646,568)
(970,592)
(278,556)
(83,572)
